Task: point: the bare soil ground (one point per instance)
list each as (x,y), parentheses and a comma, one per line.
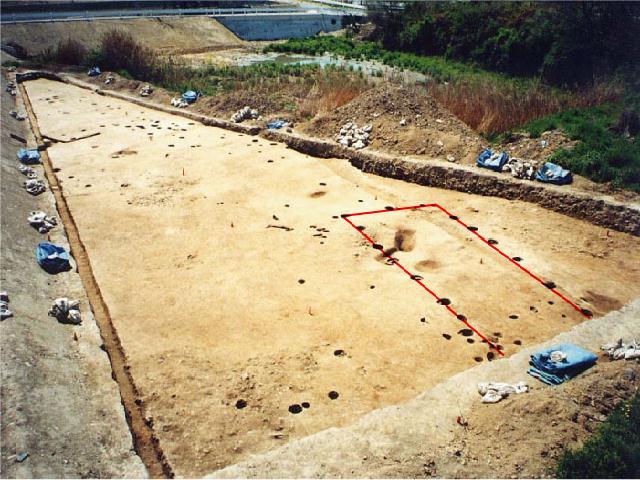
(433,134)
(517,438)
(545,423)
(167,35)
(231,278)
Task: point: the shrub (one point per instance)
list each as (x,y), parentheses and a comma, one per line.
(612,452)
(603,153)
(71,52)
(120,51)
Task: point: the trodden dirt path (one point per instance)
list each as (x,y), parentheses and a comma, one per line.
(237,290)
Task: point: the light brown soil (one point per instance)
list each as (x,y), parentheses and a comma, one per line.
(536,149)
(213,303)
(168,35)
(430,130)
(546,421)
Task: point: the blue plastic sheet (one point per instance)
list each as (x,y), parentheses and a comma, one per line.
(276,124)
(554,373)
(190,96)
(52,258)
(29,156)
(485,160)
(552,173)
(94,71)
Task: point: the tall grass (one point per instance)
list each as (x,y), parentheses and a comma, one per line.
(488,102)
(312,88)
(492,108)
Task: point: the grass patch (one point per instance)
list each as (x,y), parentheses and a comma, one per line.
(604,153)
(11,63)
(612,452)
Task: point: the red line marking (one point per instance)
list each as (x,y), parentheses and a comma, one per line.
(431,292)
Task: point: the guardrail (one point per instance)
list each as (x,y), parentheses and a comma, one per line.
(123,14)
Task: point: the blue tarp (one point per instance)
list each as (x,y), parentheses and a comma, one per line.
(29,157)
(552,173)
(94,71)
(190,96)
(52,258)
(554,373)
(276,124)
(488,160)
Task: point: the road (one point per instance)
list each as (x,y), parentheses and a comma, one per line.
(51,16)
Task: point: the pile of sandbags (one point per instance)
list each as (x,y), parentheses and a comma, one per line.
(520,168)
(619,350)
(41,221)
(34,186)
(66,311)
(178,102)
(12,89)
(146,90)
(245,113)
(493,392)
(18,115)
(352,136)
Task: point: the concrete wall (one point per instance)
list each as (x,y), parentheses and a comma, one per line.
(280,26)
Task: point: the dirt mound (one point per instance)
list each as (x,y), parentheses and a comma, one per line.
(522,145)
(406,120)
(544,422)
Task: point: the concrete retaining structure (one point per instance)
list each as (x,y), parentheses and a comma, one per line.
(597,210)
(280,26)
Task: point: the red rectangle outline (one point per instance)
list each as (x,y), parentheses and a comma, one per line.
(474,230)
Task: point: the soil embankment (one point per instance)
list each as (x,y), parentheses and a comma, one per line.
(167,34)
(61,411)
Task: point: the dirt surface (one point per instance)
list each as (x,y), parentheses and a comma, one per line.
(517,438)
(290,103)
(521,145)
(547,422)
(59,403)
(167,35)
(246,284)
(430,130)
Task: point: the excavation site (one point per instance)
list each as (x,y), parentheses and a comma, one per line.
(353,292)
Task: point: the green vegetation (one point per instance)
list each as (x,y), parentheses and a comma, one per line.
(436,67)
(612,452)
(565,43)
(11,63)
(488,102)
(606,151)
